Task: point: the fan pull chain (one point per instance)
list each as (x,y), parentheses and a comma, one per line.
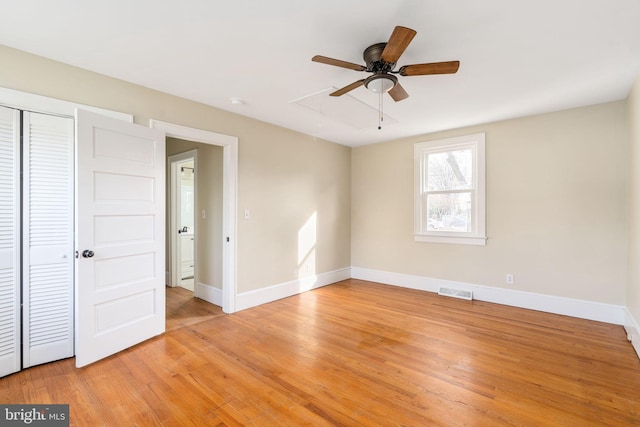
(380,111)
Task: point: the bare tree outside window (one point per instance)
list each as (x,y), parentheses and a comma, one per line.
(448,206)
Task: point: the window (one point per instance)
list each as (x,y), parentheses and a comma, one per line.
(449,190)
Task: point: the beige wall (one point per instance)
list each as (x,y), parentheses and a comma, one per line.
(283,176)
(556,193)
(209,237)
(633,235)
(556,207)
(293,180)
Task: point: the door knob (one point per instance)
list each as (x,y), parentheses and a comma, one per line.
(87,253)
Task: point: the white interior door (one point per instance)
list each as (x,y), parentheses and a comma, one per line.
(176,237)
(47,229)
(120,232)
(187,222)
(9,241)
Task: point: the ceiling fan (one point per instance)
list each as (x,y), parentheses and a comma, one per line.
(381,59)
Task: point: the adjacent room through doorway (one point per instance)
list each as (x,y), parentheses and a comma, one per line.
(194,221)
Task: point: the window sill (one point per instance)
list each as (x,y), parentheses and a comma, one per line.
(460,240)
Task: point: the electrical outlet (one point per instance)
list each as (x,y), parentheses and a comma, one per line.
(509,279)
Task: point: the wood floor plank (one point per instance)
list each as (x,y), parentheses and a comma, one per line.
(354,353)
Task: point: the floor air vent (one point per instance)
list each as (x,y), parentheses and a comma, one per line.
(456,293)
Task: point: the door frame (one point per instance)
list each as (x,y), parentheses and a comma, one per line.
(173,278)
(229,199)
(41,104)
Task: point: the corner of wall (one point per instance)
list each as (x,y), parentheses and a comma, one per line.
(632,300)
(633,331)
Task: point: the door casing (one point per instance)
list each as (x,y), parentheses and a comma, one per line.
(229,200)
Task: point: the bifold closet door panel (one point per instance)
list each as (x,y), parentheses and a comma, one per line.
(48,227)
(9,241)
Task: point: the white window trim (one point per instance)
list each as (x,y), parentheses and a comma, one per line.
(478,235)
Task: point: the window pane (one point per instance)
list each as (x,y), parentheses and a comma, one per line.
(449,212)
(451,170)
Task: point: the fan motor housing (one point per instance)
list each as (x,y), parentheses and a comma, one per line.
(372,56)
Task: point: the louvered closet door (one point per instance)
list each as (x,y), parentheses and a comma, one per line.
(9,241)
(48,262)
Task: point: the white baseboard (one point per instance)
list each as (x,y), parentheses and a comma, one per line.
(590,310)
(632,327)
(272,293)
(208,293)
(601,312)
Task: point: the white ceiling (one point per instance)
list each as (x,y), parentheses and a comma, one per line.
(517,57)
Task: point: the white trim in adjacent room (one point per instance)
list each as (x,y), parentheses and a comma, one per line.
(208,293)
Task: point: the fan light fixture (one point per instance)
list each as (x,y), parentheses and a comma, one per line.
(381,59)
(380,83)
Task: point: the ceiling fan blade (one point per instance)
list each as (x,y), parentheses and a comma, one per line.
(398,93)
(338,63)
(449,67)
(398,42)
(348,88)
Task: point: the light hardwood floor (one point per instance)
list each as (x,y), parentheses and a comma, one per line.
(354,354)
(185,310)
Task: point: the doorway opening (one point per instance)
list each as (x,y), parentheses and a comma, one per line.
(195,232)
(222,289)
